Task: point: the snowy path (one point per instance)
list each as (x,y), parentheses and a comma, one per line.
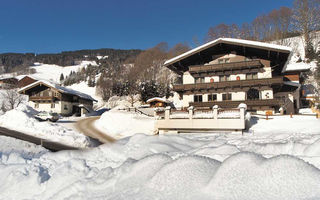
(86,126)
(53,146)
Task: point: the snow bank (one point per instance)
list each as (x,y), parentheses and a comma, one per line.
(249,176)
(21,119)
(156,167)
(121,124)
(278,159)
(285,124)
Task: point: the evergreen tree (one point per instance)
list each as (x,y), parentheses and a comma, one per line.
(61,78)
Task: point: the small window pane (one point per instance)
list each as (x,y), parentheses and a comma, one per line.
(197,98)
(255,76)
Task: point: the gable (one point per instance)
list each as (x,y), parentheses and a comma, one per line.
(224,46)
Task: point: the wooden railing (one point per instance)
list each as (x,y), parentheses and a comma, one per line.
(230,104)
(225,66)
(240,83)
(41,98)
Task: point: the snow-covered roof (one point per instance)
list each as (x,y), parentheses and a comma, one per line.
(301,66)
(19,77)
(249,43)
(158,99)
(5,78)
(295,84)
(59,88)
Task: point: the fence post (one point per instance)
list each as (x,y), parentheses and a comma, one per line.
(242,109)
(190,112)
(167,113)
(215,111)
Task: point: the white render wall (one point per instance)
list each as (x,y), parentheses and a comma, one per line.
(207,79)
(235,96)
(266,74)
(186,99)
(45,107)
(67,111)
(266,94)
(59,107)
(233,77)
(187,78)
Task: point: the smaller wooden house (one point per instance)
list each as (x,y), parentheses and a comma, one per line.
(158,102)
(26,80)
(46,96)
(7,83)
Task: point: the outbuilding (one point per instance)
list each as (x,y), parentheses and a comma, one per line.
(158,102)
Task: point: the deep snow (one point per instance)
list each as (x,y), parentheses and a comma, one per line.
(261,164)
(160,167)
(21,119)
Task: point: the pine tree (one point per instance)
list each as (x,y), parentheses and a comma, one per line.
(61,77)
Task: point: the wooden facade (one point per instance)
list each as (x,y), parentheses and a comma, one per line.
(227,72)
(47,97)
(7,83)
(240,85)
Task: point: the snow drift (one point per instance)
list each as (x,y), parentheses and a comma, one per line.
(21,119)
(156,167)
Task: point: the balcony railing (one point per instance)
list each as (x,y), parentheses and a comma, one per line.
(224,84)
(41,98)
(225,66)
(231,104)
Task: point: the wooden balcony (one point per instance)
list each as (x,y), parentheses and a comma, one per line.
(228,84)
(234,104)
(224,68)
(43,98)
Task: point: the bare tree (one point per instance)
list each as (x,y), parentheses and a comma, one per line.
(306,18)
(12,99)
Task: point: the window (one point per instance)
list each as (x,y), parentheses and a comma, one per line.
(53,105)
(226,60)
(224,78)
(212,97)
(197,98)
(199,80)
(65,107)
(253,94)
(252,76)
(226,96)
(36,105)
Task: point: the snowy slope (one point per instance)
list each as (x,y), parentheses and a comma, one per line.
(53,72)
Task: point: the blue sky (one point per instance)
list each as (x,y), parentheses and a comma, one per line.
(49,26)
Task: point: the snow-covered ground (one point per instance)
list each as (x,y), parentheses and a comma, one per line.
(276,159)
(52,72)
(120,124)
(21,119)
